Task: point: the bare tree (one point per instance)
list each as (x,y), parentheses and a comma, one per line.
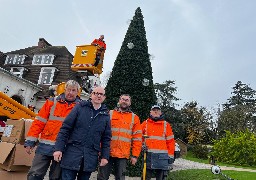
(104,78)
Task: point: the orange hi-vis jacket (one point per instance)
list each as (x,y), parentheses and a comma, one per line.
(101,43)
(47,124)
(126,134)
(160,138)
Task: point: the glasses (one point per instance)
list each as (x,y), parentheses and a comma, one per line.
(98,94)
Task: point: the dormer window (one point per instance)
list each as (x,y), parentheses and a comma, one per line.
(18,71)
(43,59)
(15,59)
(46,75)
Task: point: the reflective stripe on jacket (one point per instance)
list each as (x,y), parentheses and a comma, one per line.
(126,134)
(160,136)
(48,123)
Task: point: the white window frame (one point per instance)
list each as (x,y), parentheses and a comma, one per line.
(17,59)
(20,71)
(40,81)
(43,57)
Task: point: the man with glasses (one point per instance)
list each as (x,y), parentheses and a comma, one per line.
(126,138)
(85,134)
(47,124)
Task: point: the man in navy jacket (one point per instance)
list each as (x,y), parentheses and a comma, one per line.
(85,133)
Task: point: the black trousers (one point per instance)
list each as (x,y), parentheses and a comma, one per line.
(97,60)
(119,165)
(68,174)
(40,166)
(159,174)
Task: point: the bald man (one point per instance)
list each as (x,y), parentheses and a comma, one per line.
(85,134)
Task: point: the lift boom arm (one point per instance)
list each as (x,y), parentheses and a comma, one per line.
(13,109)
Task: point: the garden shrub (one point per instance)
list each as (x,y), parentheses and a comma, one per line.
(236,148)
(200,151)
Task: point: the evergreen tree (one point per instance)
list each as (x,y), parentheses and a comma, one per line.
(132,71)
(239,112)
(243,95)
(165,93)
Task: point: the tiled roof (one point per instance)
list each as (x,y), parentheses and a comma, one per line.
(62,61)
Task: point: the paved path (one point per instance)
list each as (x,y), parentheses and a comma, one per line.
(179,164)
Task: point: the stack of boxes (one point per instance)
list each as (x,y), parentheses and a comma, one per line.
(13,156)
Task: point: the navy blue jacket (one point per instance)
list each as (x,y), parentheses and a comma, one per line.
(83,136)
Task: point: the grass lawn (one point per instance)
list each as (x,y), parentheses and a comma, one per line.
(205,174)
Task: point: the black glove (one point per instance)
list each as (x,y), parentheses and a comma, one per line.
(170,160)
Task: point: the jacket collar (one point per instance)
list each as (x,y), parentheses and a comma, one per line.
(127,111)
(159,119)
(88,103)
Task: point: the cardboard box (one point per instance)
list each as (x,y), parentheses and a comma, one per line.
(14,131)
(13,157)
(6,175)
(1,129)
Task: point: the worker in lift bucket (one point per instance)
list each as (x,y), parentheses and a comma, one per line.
(101,43)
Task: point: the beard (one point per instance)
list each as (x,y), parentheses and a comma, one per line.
(124,107)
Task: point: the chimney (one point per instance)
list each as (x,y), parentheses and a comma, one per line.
(42,43)
(1,54)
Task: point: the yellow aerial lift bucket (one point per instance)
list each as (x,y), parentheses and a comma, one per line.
(85,58)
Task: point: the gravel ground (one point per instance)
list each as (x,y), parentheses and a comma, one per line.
(182,164)
(179,164)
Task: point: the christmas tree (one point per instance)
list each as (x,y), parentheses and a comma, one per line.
(132,71)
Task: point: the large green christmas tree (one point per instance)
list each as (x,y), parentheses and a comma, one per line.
(132,71)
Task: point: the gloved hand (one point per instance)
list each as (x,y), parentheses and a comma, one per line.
(170,160)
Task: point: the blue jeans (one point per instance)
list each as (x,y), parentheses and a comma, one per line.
(68,174)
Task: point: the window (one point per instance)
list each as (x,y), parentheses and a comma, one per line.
(46,75)
(15,59)
(18,71)
(43,59)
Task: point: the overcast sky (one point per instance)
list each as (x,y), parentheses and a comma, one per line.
(205,46)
